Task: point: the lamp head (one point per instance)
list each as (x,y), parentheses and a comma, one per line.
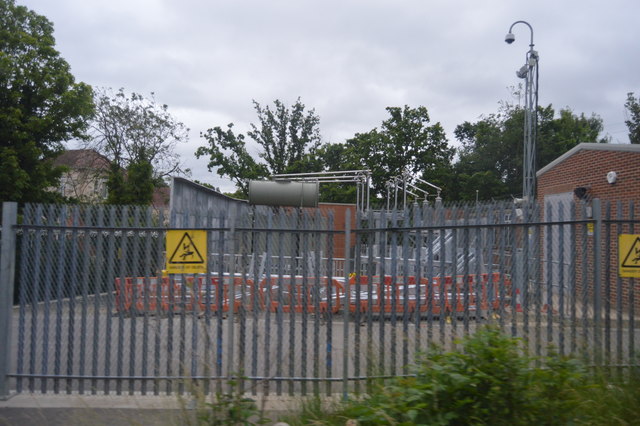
(509,38)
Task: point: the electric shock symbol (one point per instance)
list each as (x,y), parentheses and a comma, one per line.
(186,251)
(629,255)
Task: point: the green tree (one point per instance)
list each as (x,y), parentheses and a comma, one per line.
(335,157)
(559,133)
(285,136)
(479,185)
(141,182)
(632,106)
(133,186)
(491,155)
(406,141)
(41,105)
(139,136)
(229,156)
(117,186)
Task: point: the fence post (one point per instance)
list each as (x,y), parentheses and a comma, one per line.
(347,271)
(7,274)
(597,278)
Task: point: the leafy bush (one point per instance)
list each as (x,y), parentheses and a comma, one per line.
(491,381)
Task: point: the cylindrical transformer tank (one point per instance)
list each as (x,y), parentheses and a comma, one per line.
(283,193)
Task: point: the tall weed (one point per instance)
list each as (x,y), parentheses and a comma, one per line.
(611,400)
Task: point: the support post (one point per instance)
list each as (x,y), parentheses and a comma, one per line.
(7,275)
(597,279)
(347,289)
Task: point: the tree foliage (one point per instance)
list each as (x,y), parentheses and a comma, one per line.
(632,106)
(336,157)
(406,141)
(285,135)
(491,152)
(285,138)
(135,185)
(229,156)
(41,105)
(139,136)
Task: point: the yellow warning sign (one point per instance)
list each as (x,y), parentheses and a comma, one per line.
(186,251)
(629,255)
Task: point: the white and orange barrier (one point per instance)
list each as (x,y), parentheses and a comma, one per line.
(298,294)
(395,294)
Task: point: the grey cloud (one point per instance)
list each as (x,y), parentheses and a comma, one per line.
(349,59)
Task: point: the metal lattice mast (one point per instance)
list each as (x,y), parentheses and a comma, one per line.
(528,72)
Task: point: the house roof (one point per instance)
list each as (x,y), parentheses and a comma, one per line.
(82,159)
(204,189)
(589,147)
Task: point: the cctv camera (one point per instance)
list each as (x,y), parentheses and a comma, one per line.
(523,71)
(509,38)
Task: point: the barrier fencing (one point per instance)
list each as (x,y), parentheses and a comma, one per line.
(278,313)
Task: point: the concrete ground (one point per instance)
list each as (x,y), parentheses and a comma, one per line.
(57,409)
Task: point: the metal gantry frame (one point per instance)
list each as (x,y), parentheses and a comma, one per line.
(362,178)
(402,185)
(408,185)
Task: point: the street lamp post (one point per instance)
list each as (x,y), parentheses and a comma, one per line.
(528,72)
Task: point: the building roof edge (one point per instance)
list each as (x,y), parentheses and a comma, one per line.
(588,147)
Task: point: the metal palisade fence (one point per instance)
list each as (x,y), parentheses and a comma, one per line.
(286,302)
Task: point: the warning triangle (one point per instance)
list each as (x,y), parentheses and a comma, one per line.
(186,252)
(632,259)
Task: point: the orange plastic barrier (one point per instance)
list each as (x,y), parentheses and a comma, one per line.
(208,294)
(387,296)
(297,294)
(140,294)
(391,296)
(456,299)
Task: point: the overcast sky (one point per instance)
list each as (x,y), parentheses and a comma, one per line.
(349,59)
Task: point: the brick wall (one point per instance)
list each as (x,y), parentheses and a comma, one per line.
(339,220)
(588,168)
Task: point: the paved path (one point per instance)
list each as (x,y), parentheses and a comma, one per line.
(52,409)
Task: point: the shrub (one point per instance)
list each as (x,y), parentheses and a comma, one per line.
(490,381)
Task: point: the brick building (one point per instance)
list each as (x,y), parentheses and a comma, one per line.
(609,173)
(590,166)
